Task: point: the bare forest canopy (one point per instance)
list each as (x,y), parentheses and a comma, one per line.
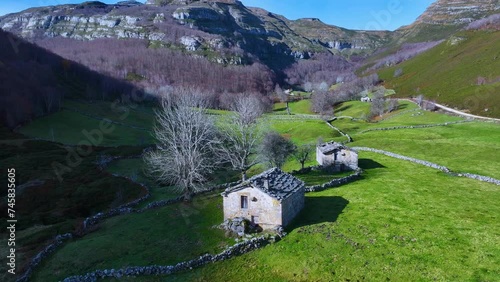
(35,81)
(153,67)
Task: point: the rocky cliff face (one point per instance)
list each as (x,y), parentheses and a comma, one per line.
(457,12)
(194,26)
(88,21)
(444,17)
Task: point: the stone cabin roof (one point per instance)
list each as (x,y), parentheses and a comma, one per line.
(280,185)
(330,147)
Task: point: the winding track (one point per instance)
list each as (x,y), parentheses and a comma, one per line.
(457,112)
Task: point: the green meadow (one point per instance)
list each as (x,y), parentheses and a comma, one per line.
(400,221)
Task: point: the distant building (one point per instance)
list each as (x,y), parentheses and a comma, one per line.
(270,199)
(336,156)
(366,99)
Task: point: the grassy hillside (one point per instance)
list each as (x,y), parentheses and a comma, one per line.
(47,205)
(128,124)
(166,235)
(391,226)
(426,32)
(400,222)
(449,73)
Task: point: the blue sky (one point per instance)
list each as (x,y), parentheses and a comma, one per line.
(353,14)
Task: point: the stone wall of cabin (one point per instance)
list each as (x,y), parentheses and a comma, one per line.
(264,206)
(347,157)
(291,206)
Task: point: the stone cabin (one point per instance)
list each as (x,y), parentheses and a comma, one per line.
(336,156)
(270,199)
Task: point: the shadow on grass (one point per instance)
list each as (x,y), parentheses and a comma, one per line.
(369,164)
(319,210)
(343,108)
(402,106)
(279,109)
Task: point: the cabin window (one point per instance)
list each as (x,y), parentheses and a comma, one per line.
(244,202)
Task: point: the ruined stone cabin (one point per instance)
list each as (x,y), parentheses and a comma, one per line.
(336,156)
(270,199)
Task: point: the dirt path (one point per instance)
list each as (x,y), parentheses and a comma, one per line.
(457,112)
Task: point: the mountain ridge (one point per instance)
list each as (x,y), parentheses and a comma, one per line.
(222,19)
(444,17)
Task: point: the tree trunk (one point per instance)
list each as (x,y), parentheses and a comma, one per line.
(302,163)
(243,175)
(188,196)
(287,108)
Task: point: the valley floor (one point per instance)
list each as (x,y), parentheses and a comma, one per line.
(401,221)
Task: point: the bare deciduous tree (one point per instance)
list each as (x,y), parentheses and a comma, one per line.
(49,97)
(323,86)
(303,153)
(308,86)
(481,80)
(276,149)
(322,103)
(420,100)
(405,52)
(186,142)
(398,72)
(241,134)
(284,98)
(378,104)
(429,106)
(393,105)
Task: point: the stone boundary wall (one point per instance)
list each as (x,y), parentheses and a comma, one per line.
(235,250)
(401,157)
(293,117)
(349,138)
(481,178)
(290,119)
(335,182)
(123,209)
(49,249)
(347,117)
(95,219)
(414,126)
(87,223)
(127,208)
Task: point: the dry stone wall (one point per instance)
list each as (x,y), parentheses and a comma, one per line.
(401,157)
(49,249)
(336,182)
(432,165)
(235,250)
(479,177)
(349,138)
(91,221)
(415,126)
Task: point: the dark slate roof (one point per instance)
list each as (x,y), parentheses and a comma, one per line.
(281,184)
(328,148)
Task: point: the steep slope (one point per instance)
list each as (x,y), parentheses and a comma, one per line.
(35,81)
(462,72)
(444,17)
